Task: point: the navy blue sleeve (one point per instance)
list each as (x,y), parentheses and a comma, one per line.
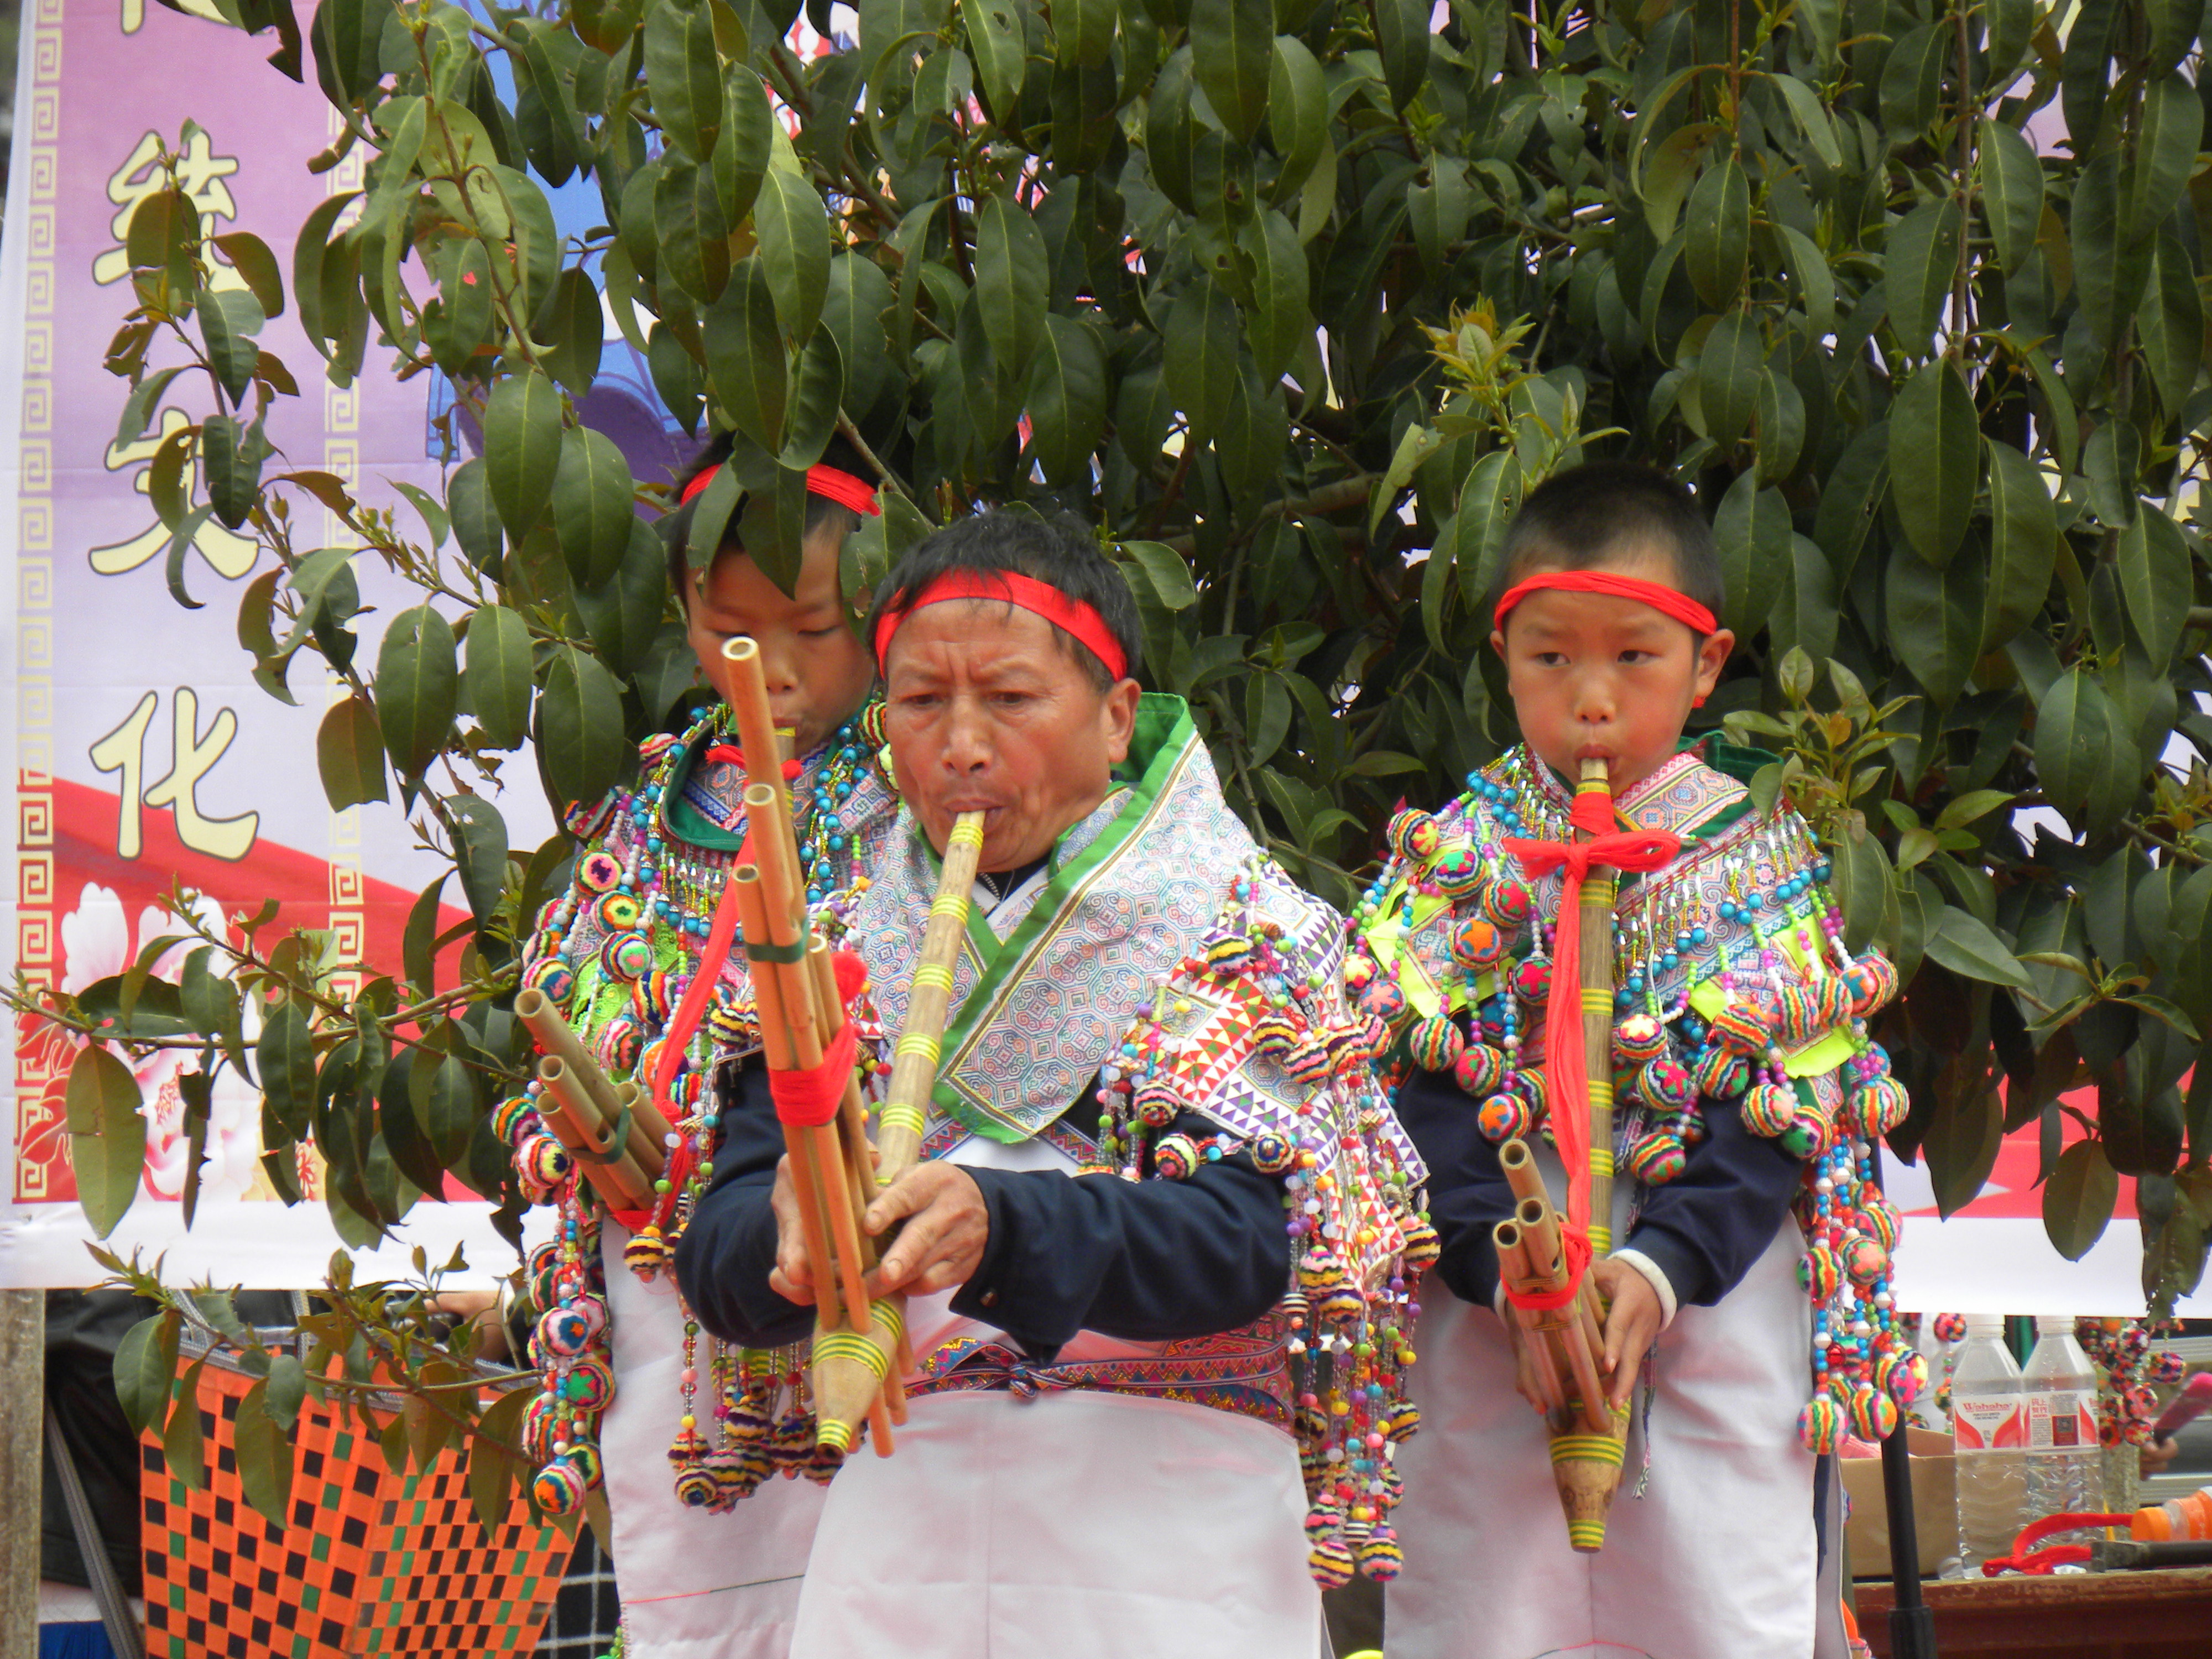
(1468,1191)
(1707,1226)
(723,1259)
(1145,1260)
(1149,1260)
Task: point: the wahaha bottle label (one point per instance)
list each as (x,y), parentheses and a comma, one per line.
(2060,1422)
(1988,1425)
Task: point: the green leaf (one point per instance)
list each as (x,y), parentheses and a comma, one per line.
(1961,1146)
(479,852)
(1717,250)
(1974,803)
(1282,317)
(2078,1199)
(264,1456)
(1924,258)
(1935,619)
(582,743)
(741,152)
(498,675)
(684,74)
(817,394)
(2157,581)
(1297,111)
(2172,125)
(522,448)
(1487,502)
(1727,376)
(2011,27)
(284,1056)
(745,359)
(1200,356)
(183,1447)
(794,249)
(1813,120)
(1084,31)
(476,520)
(2109,270)
(1963,945)
(592,506)
(1935,460)
(1066,400)
(1751,530)
(1805,614)
(145,1366)
(1851,498)
(349,753)
(2023,544)
(998,41)
(1012,279)
(1232,52)
(229,319)
(1913,81)
(2012,191)
(2171,324)
(492,1472)
(1401,32)
(107,1136)
(2085,757)
(250,257)
(1165,571)
(694,247)
(573,327)
(417,684)
(287,1389)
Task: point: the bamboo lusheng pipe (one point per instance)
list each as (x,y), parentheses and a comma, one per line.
(1599,887)
(555,1037)
(1513,1268)
(1527,1185)
(574,1126)
(1579,1336)
(763,745)
(914,1061)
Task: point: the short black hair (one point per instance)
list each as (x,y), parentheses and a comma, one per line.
(676,527)
(1595,516)
(1056,554)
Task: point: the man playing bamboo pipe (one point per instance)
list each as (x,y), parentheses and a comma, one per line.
(1147,1063)
(617,955)
(1745,1082)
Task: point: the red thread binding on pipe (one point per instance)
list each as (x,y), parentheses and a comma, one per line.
(1660,598)
(1566,1080)
(807,1098)
(1023,593)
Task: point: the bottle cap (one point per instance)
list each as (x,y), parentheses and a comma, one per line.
(1984,1325)
(2054,1325)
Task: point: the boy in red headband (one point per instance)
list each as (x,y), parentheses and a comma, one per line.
(1743,1081)
(616,954)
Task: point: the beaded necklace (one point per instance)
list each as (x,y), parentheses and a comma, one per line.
(643,902)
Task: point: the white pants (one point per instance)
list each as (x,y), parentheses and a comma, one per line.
(1715,1561)
(1076,1525)
(693,1585)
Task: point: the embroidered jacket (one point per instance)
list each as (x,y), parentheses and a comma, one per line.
(1745,1080)
(1165,1007)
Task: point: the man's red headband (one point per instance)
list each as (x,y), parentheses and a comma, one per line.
(1660,597)
(1023,593)
(842,488)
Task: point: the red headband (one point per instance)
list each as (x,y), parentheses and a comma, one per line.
(842,488)
(1023,593)
(1660,597)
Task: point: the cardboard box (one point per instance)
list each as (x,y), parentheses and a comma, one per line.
(1935,1506)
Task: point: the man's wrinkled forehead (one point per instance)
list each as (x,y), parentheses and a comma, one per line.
(978,642)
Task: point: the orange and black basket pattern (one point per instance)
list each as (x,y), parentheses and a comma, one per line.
(372,1563)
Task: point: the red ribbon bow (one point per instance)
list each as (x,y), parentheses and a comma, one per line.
(1567,1079)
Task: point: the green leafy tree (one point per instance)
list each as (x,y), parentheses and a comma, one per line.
(1291,301)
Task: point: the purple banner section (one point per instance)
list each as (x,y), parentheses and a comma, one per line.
(143,755)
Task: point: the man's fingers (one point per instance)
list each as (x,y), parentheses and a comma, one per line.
(906,1196)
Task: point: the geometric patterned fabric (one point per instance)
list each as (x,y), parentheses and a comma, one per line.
(372,1563)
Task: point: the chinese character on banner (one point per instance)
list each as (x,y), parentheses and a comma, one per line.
(123,750)
(230,554)
(200,175)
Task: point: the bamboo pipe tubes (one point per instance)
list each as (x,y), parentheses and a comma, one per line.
(914,1061)
(647,1139)
(569,1114)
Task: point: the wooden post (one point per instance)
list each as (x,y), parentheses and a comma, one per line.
(23,1385)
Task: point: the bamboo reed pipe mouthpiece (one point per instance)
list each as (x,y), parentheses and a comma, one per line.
(914,1061)
(555,1037)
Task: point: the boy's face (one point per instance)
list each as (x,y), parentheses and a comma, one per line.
(817,671)
(1592,674)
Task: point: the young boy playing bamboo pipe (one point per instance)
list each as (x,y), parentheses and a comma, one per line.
(700,1576)
(1745,1083)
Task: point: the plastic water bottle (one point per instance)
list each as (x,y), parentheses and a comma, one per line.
(2065,1469)
(1989,1436)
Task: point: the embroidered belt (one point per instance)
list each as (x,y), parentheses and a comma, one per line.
(1237,1373)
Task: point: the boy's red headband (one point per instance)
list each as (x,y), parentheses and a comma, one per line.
(1660,597)
(842,488)
(1023,593)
